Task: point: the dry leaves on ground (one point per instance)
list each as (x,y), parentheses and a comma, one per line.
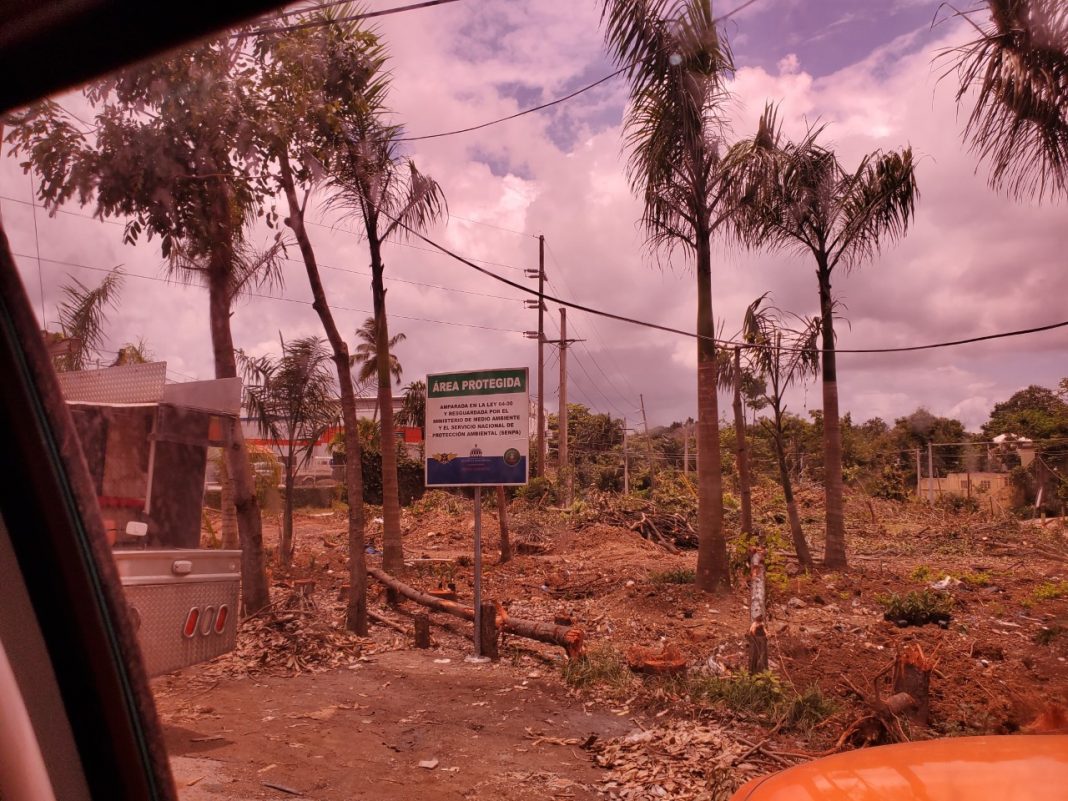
(682,760)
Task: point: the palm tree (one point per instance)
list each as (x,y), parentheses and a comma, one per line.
(677,64)
(82,316)
(780,363)
(292,400)
(799,196)
(1018,67)
(366,355)
(413,412)
(390,197)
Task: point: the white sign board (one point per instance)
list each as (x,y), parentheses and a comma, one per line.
(477,428)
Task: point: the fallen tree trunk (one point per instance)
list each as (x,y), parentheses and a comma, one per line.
(570,639)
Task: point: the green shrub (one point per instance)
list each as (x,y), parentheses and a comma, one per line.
(1050,591)
(538,489)
(917,608)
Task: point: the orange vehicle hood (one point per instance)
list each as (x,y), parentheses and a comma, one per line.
(1018,767)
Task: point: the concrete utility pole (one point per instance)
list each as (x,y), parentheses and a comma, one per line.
(686,449)
(564,467)
(626,461)
(645,422)
(540,275)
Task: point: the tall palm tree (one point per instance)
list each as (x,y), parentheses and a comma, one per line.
(82,316)
(1018,67)
(800,197)
(781,356)
(366,355)
(292,400)
(389,197)
(677,64)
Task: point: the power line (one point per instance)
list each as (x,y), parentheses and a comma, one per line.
(408,281)
(280,298)
(722,342)
(558,100)
(328,21)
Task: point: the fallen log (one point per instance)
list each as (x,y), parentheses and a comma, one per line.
(570,639)
(385,621)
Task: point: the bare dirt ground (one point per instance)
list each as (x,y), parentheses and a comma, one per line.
(325,715)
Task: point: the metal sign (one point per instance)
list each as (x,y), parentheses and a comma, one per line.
(477,428)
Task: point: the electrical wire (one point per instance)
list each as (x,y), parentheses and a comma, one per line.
(722,342)
(261,296)
(558,100)
(300,26)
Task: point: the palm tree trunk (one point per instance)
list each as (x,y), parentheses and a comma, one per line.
(392,547)
(356,612)
(742,449)
(285,542)
(228,514)
(834,553)
(254,593)
(713,572)
(804,556)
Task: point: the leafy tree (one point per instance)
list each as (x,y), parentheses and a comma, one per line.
(677,64)
(291,398)
(781,356)
(1018,68)
(310,81)
(799,196)
(82,316)
(389,197)
(170,150)
(1035,412)
(413,412)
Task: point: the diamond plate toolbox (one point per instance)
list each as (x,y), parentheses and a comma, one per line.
(184,604)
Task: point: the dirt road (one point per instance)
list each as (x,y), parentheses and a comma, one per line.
(361,733)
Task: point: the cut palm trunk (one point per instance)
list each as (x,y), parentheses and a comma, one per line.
(757,637)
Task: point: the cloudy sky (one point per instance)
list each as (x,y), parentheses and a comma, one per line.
(973,263)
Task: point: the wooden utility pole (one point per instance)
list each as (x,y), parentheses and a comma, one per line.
(645,422)
(540,275)
(919,476)
(930,473)
(626,461)
(686,449)
(564,468)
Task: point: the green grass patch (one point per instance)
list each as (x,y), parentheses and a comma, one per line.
(602,665)
(678,575)
(917,608)
(1050,591)
(759,694)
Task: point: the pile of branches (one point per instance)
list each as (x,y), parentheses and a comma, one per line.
(292,637)
(651,519)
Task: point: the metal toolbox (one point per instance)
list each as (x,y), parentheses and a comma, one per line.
(184,603)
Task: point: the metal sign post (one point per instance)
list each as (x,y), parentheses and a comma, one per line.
(478,435)
(478,571)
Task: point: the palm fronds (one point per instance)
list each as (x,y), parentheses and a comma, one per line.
(1018,68)
(83,315)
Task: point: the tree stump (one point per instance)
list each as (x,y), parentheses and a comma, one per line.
(422,631)
(488,631)
(758,636)
(305,588)
(912,675)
